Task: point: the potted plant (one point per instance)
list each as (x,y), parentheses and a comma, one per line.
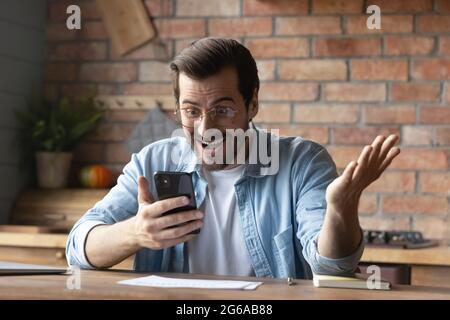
(50,131)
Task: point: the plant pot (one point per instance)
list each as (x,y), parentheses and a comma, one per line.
(53,168)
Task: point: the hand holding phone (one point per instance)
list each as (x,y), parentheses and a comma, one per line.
(155,229)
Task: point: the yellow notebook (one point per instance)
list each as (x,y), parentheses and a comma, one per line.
(356,282)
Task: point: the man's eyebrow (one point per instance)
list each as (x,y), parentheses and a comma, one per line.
(223,99)
(189,102)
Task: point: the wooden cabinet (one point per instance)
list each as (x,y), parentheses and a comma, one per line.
(427,266)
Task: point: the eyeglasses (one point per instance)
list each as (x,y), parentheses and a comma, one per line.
(221,116)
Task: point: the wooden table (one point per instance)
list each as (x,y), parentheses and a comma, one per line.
(103,285)
(428,266)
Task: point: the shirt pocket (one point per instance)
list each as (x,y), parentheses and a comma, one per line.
(284,253)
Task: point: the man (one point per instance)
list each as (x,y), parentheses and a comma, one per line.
(250,223)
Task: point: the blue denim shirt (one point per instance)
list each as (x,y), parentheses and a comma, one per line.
(281,214)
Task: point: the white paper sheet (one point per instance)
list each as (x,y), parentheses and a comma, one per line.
(163,282)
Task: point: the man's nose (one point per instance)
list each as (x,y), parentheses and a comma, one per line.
(204,124)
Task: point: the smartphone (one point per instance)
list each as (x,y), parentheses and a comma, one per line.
(171,184)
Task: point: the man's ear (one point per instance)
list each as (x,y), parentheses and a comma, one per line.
(253,106)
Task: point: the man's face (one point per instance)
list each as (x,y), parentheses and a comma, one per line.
(219,92)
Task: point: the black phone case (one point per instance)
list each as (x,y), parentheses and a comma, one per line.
(179,184)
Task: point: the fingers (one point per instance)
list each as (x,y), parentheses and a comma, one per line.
(177,232)
(386,147)
(177,218)
(376,147)
(348,172)
(390,156)
(162,206)
(144,195)
(363,161)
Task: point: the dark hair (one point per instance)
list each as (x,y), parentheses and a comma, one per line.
(208,56)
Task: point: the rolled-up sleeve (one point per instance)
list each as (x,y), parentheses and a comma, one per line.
(118,205)
(314,176)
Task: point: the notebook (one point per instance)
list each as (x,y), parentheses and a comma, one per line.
(8,268)
(356,282)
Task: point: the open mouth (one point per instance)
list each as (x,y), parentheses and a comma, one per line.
(211,144)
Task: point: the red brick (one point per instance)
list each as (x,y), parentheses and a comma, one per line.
(409,158)
(368,203)
(443,136)
(317,134)
(152,51)
(107,132)
(77,51)
(375,114)
(415,204)
(337,6)
(239,27)
(314,69)
(57,10)
(180,28)
(50,92)
(433,23)
(147,89)
(432,227)
(61,72)
(154,71)
(347,47)
(384,223)
(444,48)
(442,6)
(316,25)
(59,31)
(421,158)
(92,30)
(326,113)
(379,70)
(159,8)
(89,152)
(416,136)
(394,181)
(107,89)
(347,135)
(199,8)
(344,92)
(402,6)
(278,47)
(389,24)
(447,92)
(105,72)
(288,91)
(342,155)
(435,115)
(431,69)
(273,112)
(266,69)
(184,43)
(435,182)
(122,116)
(117,153)
(270,8)
(408,45)
(78,89)
(415,92)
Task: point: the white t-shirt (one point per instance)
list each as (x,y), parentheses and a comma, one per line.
(219,248)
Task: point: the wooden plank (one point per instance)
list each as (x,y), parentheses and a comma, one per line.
(127,23)
(427,256)
(430,276)
(35,240)
(57,208)
(103,285)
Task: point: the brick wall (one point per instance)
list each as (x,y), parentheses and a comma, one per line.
(325,76)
